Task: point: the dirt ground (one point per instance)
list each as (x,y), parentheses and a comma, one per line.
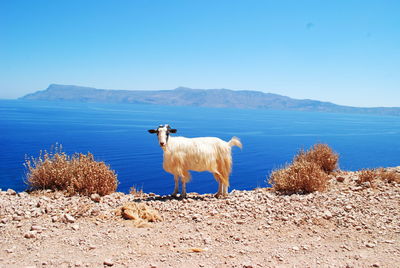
(346,226)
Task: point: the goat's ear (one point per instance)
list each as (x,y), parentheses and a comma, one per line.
(172,130)
(152,131)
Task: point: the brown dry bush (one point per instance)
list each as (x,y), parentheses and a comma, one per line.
(367,175)
(76,174)
(389,175)
(299,177)
(372,175)
(322,155)
(308,172)
(135,192)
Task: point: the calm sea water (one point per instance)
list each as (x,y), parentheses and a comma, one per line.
(117,134)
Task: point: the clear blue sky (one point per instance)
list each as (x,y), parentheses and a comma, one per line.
(347,52)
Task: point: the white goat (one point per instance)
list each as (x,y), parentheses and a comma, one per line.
(198,154)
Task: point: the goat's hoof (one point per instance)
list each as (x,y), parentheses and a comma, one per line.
(174,195)
(183,196)
(217,195)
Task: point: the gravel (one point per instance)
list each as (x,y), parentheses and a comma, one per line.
(344,226)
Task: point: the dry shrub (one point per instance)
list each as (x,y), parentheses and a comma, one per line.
(367,175)
(76,174)
(389,175)
(372,175)
(308,172)
(299,177)
(322,155)
(139,213)
(135,192)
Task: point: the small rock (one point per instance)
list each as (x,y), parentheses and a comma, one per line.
(75,227)
(327,214)
(92,247)
(69,218)
(11,192)
(370,245)
(366,184)
(295,248)
(108,262)
(30,234)
(196,217)
(95,198)
(36,228)
(17,218)
(23,194)
(340,179)
(10,250)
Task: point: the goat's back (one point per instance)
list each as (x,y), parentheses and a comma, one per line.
(198,154)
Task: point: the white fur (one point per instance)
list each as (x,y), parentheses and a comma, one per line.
(198,154)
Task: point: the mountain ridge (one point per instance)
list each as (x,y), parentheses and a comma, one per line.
(184,96)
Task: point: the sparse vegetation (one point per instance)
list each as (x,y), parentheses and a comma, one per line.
(372,175)
(389,175)
(322,155)
(367,175)
(299,177)
(135,192)
(76,174)
(309,171)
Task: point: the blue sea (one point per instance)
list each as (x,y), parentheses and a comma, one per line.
(117,134)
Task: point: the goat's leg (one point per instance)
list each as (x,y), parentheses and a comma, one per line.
(183,194)
(185,178)
(217,178)
(224,190)
(176,189)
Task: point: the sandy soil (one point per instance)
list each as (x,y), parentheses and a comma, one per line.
(347,226)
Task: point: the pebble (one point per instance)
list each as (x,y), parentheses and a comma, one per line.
(36,228)
(370,245)
(108,262)
(17,218)
(69,218)
(11,192)
(327,214)
(340,179)
(95,198)
(30,234)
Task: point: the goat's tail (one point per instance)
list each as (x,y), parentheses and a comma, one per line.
(235,142)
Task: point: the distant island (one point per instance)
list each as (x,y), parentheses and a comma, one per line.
(182,96)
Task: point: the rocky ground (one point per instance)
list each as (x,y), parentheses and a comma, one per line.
(346,226)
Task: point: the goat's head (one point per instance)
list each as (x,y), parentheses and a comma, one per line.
(163,132)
